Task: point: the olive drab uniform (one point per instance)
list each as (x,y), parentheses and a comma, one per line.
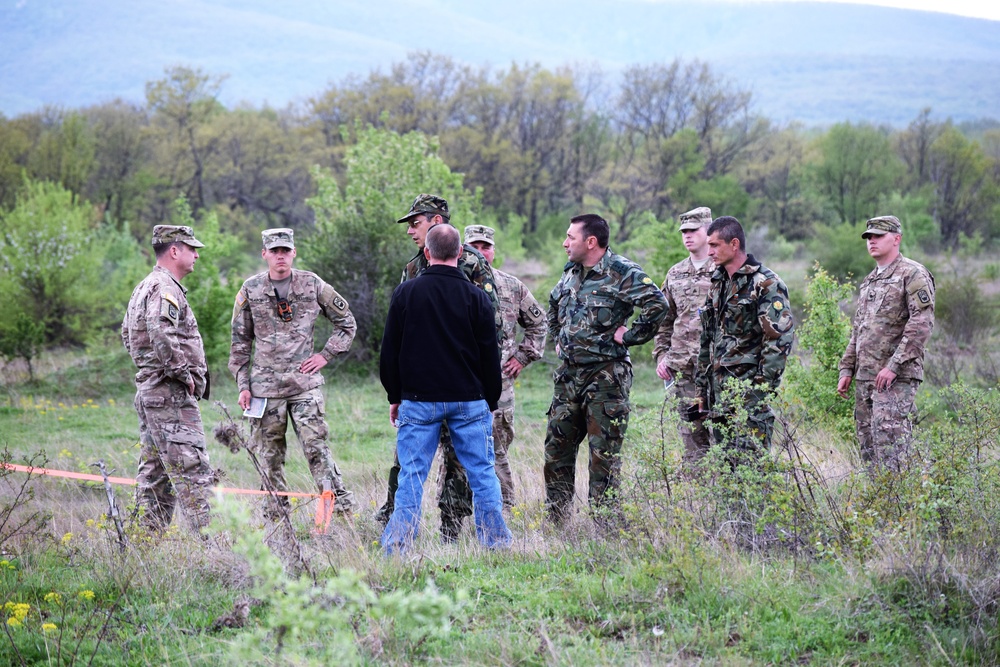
(678,341)
(455,496)
(266,352)
(891,328)
(161,335)
(517,308)
(746,334)
(592,383)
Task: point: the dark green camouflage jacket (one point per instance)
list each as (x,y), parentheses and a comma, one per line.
(585,311)
(746,329)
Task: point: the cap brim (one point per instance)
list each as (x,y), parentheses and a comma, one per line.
(874,232)
(194,243)
(687,226)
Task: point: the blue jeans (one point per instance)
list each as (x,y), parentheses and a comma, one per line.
(471,425)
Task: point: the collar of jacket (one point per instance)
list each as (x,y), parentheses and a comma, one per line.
(750,266)
(167,271)
(601,267)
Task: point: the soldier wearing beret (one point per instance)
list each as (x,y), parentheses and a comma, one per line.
(455,501)
(678,339)
(885,355)
(517,308)
(588,311)
(161,335)
(271,357)
(746,334)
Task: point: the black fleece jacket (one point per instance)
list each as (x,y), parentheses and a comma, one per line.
(440,342)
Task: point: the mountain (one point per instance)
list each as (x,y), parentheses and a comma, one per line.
(813,62)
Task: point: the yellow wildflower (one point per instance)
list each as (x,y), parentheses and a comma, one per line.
(53,597)
(13,622)
(86,595)
(49,627)
(66,538)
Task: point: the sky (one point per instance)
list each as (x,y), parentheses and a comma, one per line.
(981,9)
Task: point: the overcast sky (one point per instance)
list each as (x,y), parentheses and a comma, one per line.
(982,9)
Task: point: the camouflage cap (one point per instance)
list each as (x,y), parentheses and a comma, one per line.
(696,218)
(427,204)
(279,237)
(175,234)
(884,224)
(479,233)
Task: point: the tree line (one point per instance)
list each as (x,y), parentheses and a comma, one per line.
(516,147)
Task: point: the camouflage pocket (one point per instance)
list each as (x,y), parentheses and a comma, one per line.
(153,402)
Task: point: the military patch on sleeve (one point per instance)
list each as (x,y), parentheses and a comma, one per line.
(778,306)
(487,287)
(920,292)
(169,309)
(535,313)
(330,297)
(923,297)
(241,302)
(646,280)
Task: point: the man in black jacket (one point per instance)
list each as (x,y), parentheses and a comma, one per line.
(440,362)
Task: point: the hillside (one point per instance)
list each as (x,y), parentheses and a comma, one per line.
(813,62)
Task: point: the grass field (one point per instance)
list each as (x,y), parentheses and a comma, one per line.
(665,591)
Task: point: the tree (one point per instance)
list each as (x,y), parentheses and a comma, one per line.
(857,168)
(357,247)
(914,146)
(963,190)
(49,264)
(122,155)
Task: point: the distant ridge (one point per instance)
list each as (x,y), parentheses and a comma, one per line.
(813,62)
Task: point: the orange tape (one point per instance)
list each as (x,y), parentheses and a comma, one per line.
(48,472)
(324,512)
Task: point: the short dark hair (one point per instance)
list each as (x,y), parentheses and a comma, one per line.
(443,242)
(593,225)
(160,249)
(728,228)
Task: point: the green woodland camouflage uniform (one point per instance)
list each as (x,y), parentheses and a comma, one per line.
(161,335)
(265,356)
(454,494)
(746,334)
(678,339)
(593,381)
(892,325)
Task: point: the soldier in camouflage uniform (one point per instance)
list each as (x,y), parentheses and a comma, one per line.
(746,334)
(161,335)
(678,339)
(271,356)
(517,308)
(455,500)
(885,355)
(588,309)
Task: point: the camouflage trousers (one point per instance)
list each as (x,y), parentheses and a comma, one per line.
(588,401)
(307,412)
(503,436)
(694,434)
(883,420)
(454,494)
(173,461)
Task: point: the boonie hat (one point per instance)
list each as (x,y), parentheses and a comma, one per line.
(479,233)
(884,224)
(175,234)
(427,204)
(279,237)
(696,218)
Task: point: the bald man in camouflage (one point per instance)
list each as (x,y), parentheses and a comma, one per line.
(271,356)
(885,355)
(161,335)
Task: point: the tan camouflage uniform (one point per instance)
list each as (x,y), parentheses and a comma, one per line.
(517,307)
(264,358)
(891,328)
(592,383)
(161,335)
(678,340)
(747,333)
